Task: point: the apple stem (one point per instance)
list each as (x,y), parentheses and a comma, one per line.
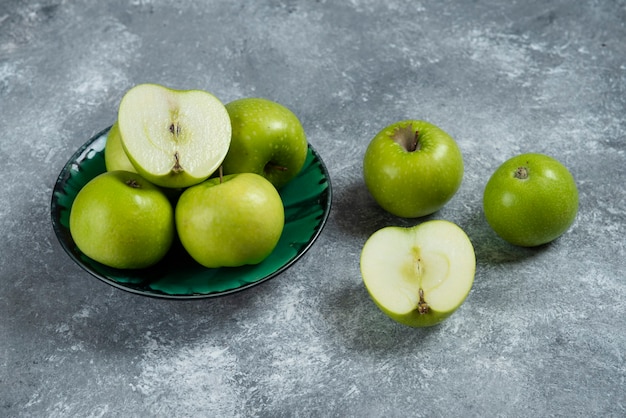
(221,171)
(177,168)
(415,144)
(407,138)
(422,306)
(133,183)
(521,173)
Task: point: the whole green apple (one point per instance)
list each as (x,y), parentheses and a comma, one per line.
(267,139)
(412,168)
(530,200)
(173,138)
(115,157)
(230,221)
(121,220)
(420,275)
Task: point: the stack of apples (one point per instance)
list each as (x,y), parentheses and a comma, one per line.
(182,164)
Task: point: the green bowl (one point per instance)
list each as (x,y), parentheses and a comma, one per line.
(307,200)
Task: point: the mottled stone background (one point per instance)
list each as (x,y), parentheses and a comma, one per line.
(543,330)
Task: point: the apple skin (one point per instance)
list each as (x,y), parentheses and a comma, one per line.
(267,139)
(534,210)
(123,221)
(230,222)
(388,261)
(412,184)
(115,157)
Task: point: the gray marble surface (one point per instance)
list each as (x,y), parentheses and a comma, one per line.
(542,332)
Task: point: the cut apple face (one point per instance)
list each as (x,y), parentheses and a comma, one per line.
(420,275)
(174,138)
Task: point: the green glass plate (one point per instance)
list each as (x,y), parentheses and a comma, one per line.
(307,201)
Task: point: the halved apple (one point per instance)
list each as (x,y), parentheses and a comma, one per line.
(174,138)
(420,275)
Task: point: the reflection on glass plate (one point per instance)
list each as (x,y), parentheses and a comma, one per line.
(307,201)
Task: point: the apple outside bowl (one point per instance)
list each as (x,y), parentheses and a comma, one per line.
(307,201)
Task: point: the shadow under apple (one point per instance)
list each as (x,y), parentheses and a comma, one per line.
(356,213)
(490,249)
(357,323)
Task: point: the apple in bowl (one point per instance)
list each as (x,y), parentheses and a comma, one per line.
(173,138)
(267,139)
(230,221)
(121,220)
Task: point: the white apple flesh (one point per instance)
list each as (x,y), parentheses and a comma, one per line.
(174,138)
(420,275)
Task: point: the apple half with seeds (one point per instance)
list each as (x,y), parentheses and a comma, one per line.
(420,275)
(174,138)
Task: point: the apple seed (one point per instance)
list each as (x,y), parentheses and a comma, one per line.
(175,129)
(422,306)
(407,138)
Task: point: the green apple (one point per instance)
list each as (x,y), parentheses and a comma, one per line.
(268,139)
(173,138)
(420,275)
(121,220)
(230,221)
(115,157)
(530,200)
(412,168)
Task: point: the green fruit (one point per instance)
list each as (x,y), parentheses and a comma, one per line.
(412,168)
(121,220)
(267,139)
(173,138)
(230,221)
(530,200)
(420,275)
(114,155)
